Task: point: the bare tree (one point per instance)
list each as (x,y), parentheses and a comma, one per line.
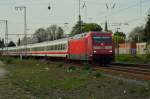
(137,34)
(54,32)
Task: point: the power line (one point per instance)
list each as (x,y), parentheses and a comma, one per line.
(131,6)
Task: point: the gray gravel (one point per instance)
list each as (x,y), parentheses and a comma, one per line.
(127,80)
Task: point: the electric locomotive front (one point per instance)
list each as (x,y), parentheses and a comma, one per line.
(92,46)
(102,44)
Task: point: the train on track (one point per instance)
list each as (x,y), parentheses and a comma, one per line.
(90,46)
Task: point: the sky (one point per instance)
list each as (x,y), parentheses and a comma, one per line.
(129,13)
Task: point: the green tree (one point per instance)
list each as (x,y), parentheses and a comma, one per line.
(147,28)
(119,37)
(76,28)
(11,44)
(85,27)
(2,45)
(92,27)
(40,35)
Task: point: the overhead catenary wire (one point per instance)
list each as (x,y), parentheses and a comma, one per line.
(121,10)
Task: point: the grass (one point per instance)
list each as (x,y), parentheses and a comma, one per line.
(133,58)
(32,78)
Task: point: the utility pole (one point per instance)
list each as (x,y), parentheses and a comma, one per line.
(25,25)
(80,29)
(6,37)
(117,42)
(140,7)
(84,6)
(6,34)
(108,7)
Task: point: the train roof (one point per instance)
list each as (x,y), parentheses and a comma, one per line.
(88,33)
(46,43)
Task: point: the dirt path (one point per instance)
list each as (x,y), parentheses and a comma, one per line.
(3,72)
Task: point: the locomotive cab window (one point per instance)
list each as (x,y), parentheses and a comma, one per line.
(102,39)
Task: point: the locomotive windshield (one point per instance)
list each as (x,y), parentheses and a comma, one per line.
(102,39)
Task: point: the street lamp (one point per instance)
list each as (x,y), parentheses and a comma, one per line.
(25,24)
(49,7)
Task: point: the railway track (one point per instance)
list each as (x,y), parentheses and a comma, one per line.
(147,66)
(128,71)
(133,71)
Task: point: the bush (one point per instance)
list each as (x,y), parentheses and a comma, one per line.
(98,74)
(148,55)
(7,60)
(87,66)
(71,68)
(60,65)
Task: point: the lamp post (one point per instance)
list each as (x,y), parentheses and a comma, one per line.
(6,33)
(25,24)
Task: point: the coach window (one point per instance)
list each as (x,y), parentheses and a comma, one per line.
(39,48)
(65,46)
(31,49)
(59,47)
(52,47)
(35,49)
(62,46)
(55,47)
(48,48)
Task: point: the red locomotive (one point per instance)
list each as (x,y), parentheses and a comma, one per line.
(91,46)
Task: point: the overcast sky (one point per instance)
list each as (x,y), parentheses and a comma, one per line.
(66,11)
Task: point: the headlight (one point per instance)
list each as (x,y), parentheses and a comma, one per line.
(110,51)
(94,51)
